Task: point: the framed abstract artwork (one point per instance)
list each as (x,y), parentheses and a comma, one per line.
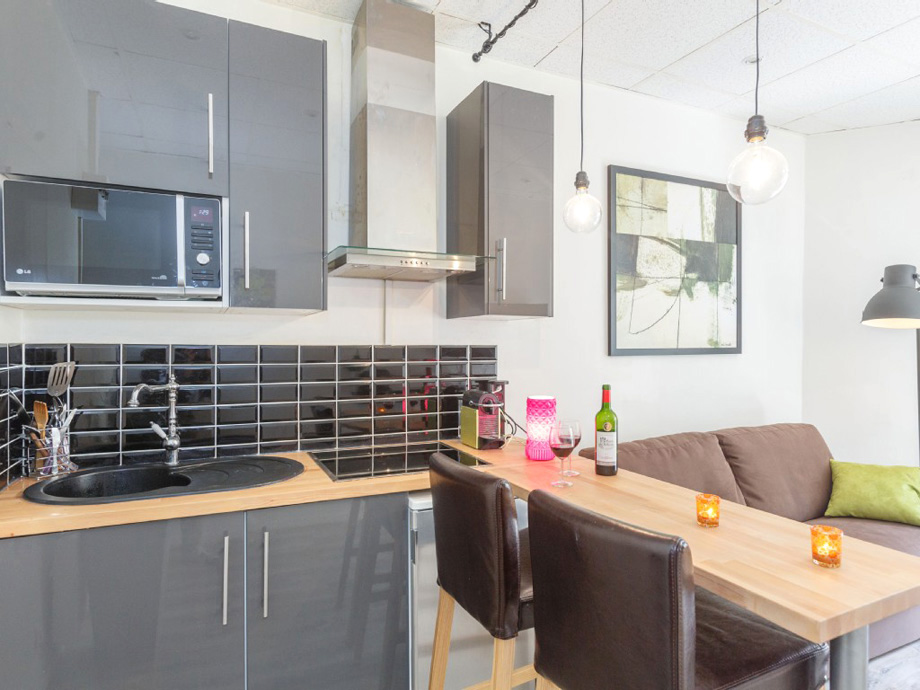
(675,265)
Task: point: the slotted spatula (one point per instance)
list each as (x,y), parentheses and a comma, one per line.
(59,378)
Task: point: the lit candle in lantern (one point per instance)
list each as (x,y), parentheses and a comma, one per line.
(541,415)
(707,510)
(826,545)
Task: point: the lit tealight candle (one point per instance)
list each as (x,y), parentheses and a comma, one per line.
(707,510)
(826,545)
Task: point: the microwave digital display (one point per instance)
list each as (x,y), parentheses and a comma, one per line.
(202,213)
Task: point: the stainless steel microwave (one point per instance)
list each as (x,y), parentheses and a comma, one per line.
(76,239)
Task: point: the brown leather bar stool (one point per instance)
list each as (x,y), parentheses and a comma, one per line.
(616,607)
(483,565)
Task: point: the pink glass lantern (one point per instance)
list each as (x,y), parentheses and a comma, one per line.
(541,415)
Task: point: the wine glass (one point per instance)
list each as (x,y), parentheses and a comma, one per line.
(563,439)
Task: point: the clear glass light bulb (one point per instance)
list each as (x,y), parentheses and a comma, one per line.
(757,174)
(582,212)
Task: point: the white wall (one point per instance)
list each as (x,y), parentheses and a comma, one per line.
(860,384)
(566,355)
(10,325)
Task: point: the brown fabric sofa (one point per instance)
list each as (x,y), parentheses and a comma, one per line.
(783,469)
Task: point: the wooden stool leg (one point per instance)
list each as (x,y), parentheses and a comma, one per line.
(441,646)
(545,684)
(502,664)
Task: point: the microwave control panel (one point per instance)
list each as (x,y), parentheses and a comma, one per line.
(202,242)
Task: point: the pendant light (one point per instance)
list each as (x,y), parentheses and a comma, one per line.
(759,172)
(583,212)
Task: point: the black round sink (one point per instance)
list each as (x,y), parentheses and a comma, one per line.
(112,484)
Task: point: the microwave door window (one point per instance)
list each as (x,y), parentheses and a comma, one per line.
(134,245)
(40,234)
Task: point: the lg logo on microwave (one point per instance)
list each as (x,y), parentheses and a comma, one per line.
(23,271)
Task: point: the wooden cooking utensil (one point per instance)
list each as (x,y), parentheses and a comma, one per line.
(40,413)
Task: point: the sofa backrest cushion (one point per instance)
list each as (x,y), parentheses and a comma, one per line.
(784,469)
(692,460)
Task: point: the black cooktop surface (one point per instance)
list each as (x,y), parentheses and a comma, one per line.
(380,461)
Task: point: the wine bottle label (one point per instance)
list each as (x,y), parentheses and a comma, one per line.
(606,452)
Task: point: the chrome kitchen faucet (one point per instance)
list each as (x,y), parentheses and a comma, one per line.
(171,440)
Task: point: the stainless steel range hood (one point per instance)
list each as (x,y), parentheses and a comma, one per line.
(393,150)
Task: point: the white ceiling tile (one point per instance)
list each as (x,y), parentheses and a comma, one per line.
(742,107)
(565,59)
(786,45)
(554,20)
(858,19)
(514,48)
(901,42)
(812,125)
(837,79)
(655,33)
(674,89)
(897,103)
(479,10)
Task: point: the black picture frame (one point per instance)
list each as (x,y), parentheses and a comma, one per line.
(613,349)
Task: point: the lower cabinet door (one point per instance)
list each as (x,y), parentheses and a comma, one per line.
(328,595)
(134,607)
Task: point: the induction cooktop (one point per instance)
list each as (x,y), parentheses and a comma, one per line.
(382,461)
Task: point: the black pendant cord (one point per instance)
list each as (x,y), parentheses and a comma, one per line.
(581,86)
(757,58)
(494,38)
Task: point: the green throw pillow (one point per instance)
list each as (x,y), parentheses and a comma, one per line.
(877,492)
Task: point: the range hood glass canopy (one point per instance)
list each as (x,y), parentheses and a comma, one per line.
(397,264)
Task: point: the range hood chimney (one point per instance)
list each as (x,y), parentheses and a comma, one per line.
(393,222)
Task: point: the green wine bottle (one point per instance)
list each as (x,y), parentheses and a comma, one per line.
(605,438)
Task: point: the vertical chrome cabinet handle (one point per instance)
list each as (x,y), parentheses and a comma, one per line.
(210,134)
(226,577)
(501,248)
(265,574)
(246,250)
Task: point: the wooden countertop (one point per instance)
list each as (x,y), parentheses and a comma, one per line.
(20,517)
(756,559)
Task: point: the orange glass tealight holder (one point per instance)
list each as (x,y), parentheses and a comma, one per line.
(826,546)
(707,510)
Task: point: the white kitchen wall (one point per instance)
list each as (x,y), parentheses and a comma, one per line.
(860,383)
(565,355)
(10,325)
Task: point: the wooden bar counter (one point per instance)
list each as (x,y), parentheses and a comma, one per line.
(756,559)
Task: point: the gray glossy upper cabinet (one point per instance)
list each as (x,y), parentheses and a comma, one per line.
(277,169)
(500,202)
(130,92)
(327,595)
(157,606)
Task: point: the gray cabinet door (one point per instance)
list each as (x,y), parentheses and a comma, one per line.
(129,92)
(277,159)
(520,216)
(500,202)
(327,595)
(136,607)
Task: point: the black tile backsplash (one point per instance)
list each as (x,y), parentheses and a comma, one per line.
(244,399)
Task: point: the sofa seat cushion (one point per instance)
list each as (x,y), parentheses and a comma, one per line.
(894,535)
(691,460)
(784,469)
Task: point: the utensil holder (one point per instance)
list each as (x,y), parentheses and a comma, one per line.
(51,460)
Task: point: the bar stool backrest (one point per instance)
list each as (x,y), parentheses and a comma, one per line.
(477,544)
(614,604)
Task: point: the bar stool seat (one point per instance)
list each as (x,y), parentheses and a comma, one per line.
(483,565)
(737,649)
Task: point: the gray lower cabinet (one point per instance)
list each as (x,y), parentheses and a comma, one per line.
(327,599)
(277,162)
(131,92)
(500,202)
(135,607)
